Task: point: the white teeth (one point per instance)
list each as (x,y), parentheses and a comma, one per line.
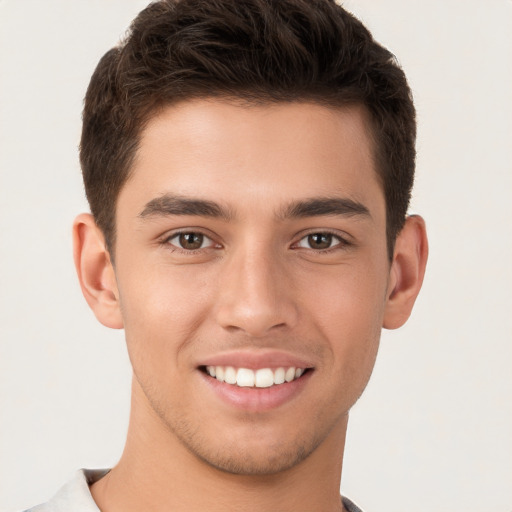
(245,378)
(261,378)
(289,375)
(230,375)
(264,378)
(279,376)
(219,373)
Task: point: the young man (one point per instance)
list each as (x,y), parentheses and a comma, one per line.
(249,165)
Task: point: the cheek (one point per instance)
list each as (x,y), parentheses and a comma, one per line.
(348,311)
(161,309)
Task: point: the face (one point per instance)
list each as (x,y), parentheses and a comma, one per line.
(252,274)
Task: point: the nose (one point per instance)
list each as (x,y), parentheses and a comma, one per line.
(255,294)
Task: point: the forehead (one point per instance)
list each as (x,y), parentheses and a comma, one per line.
(234,152)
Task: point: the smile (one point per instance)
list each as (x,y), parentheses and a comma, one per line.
(259,378)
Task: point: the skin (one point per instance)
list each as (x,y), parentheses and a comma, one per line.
(258,285)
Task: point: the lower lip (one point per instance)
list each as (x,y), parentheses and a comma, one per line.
(257,399)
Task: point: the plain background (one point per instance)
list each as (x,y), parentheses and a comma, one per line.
(434,428)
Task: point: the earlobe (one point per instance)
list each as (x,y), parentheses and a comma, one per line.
(95,271)
(407,272)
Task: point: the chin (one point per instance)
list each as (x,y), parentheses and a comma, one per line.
(256,452)
(260,463)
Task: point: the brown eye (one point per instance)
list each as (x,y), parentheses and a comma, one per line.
(319,241)
(191,241)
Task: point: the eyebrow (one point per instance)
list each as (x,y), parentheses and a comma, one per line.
(177,205)
(324,206)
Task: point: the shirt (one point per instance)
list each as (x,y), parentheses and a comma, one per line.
(75,496)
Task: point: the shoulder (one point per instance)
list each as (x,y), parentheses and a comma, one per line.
(74,494)
(349,505)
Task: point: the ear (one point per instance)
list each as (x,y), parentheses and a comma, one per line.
(407,271)
(96,272)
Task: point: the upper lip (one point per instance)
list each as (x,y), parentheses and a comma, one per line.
(254,359)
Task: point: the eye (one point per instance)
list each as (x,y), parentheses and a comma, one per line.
(190,241)
(319,241)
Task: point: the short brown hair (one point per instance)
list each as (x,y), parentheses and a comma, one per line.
(257,50)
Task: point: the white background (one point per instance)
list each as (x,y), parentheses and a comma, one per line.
(434,429)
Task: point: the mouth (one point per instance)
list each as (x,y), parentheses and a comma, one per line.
(255,378)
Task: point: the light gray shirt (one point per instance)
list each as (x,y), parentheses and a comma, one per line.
(75,496)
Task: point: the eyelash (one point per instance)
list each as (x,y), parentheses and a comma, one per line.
(166,242)
(342,244)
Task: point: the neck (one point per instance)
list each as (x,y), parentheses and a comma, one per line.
(157,472)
